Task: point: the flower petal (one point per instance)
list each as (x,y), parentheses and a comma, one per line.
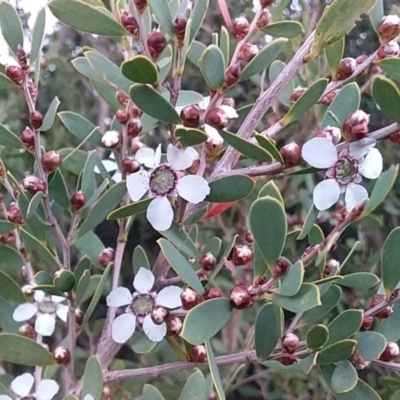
(88,397)
(193,188)
(361,147)
(118,297)
(109,166)
(355,194)
(169,297)
(137,185)
(117,177)
(192,153)
(156,333)
(319,153)
(157,155)
(39,295)
(22,384)
(179,159)
(62,312)
(371,166)
(145,156)
(144,280)
(123,327)
(229,111)
(5,397)
(57,299)
(160,214)
(46,389)
(205,102)
(45,324)
(326,194)
(24,312)
(213,134)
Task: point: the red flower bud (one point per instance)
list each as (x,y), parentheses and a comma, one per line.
(241,28)
(346,68)
(247,52)
(106,256)
(232,75)
(390,353)
(241,254)
(122,98)
(78,317)
(189,298)
(260,281)
(207,261)
(129,22)
(367,323)
(51,161)
(376,70)
(386,311)
(217,118)
(355,126)
(360,60)
(174,326)
(78,200)
(14,214)
(330,132)
(395,137)
(249,238)
(264,20)
(212,396)
(159,314)
(122,116)
(136,144)
(16,74)
(329,97)
(21,56)
(389,28)
(212,293)
(135,111)
(281,267)
(130,166)
(156,42)
(390,49)
(34,185)
(140,5)
(198,354)
(180,28)
(287,360)
(190,116)
(266,3)
(61,355)
(291,154)
(28,138)
(27,331)
(111,139)
(32,89)
(290,343)
(134,127)
(297,93)
(240,297)
(36,119)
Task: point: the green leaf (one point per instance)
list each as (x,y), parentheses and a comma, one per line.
(48,120)
(344,377)
(197,16)
(150,392)
(65,282)
(86,18)
(179,264)
(376,14)
(195,387)
(137,207)
(11,26)
(305,299)
(87,177)
(8,138)
(90,246)
(336,352)
(107,92)
(362,391)
(370,345)
(73,160)
(181,240)
(83,265)
(346,101)
(153,103)
(80,127)
(305,102)
(359,280)
(269,145)
(140,69)
(391,66)
(34,204)
(221,189)
(263,59)
(308,222)
(58,189)
(337,21)
(274,71)
(6,82)
(286,29)
(37,35)
(6,226)
(18,349)
(212,66)
(205,320)
(268,329)
(292,281)
(246,147)
(141,344)
(224,43)
(267,220)
(346,324)
(163,15)
(97,294)
(307,363)
(270,189)
(317,336)
(43,278)
(190,136)
(216,378)
(83,284)
(93,378)
(10,257)
(139,259)
(42,250)
(102,207)
(195,52)
(10,290)
(390,270)
(390,327)
(7,322)
(334,54)
(224,253)
(387,96)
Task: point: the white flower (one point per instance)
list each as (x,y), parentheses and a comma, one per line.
(140,305)
(110,166)
(22,386)
(88,397)
(45,308)
(110,138)
(345,170)
(165,180)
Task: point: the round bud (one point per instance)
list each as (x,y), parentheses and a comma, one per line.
(394,295)
(249,238)
(134,127)
(367,323)
(78,317)
(61,355)
(122,98)
(241,28)
(180,28)
(212,293)
(159,315)
(247,52)
(287,359)
(232,75)
(78,200)
(395,137)
(281,267)
(140,5)
(130,166)
(266,3)
(189,298)
(240,297)
(27,331)
(14,214)
(328,98)
(389,28)
(264,20)
(376,70)
(174,326)
(135,111)
(34,185)
(297,93)
(290,343)
(129,22)
(291,154)
(16,74)
(390,49)
(106,256)
(260,281)
(217,118)
(346,68)
(355,126)
(386,311)
(156,42)
(207,261)
(22,59)
(51,161)
(390,353)
(198,354)
(122,116)
(111,139)
(241,254)
(28,138)
(212,396)
(36,119)
(331,132)
(27,290)
(190,116)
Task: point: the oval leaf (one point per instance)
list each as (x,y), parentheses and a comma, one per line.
(286,29)
(230,188)
(344,377)
(140,69)
(93,379)
(370,345)
(8,138)
(344,325)
(10,290)
(338,351)
(11,26)
(195,387)
(48,120)
(212,66)
(387,95)
(390,261)
(181,240)
(317,336)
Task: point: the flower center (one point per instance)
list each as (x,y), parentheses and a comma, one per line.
(346,170)
(47,307)
(142,305)
(162,180)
